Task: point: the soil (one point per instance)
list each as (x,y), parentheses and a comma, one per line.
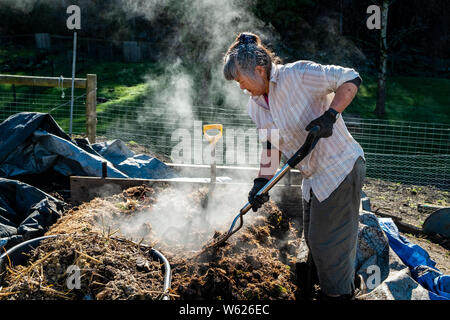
(232,266)
(256,263)
(401,200)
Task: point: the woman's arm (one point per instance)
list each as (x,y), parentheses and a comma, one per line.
(343,96)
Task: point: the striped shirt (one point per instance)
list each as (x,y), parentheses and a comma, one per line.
(300,92)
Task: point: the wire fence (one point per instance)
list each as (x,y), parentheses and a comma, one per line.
(407,152)
(56,105)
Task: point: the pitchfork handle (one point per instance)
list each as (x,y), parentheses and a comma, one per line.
(305,149)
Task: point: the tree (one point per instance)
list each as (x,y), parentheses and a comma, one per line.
(380,108)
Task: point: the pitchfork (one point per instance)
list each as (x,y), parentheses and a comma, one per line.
(305,149)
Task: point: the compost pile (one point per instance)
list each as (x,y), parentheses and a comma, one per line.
(255,263)
(109,269)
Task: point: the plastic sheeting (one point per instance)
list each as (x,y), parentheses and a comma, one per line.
(32,143)
(372,249)
(386,276)
(134,166)
(25,212)
(412,274)
(423,268)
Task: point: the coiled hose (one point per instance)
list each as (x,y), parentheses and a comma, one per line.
(16,255)
(167,272)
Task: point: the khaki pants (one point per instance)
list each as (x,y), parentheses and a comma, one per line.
(331,230)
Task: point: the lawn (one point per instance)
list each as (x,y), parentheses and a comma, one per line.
(408,98)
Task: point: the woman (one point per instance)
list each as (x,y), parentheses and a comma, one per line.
(286,101)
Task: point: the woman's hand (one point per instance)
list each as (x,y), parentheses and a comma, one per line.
(325,122)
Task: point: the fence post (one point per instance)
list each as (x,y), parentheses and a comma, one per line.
(91,107)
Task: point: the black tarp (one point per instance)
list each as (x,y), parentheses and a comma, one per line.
(34,149)
(33,143)
(25,212)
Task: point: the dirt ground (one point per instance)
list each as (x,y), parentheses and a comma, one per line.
(401,200)
(396,199)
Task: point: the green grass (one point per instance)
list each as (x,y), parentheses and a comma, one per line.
(120,83)
(417,99)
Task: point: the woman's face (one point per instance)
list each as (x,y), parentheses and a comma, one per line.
(257,86)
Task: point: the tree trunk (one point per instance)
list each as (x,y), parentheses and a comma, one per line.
(380,110)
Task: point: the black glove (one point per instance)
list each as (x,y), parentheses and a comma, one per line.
(258,201)
(325,122)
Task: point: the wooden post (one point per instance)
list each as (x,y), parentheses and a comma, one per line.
(90,83)
(91,107)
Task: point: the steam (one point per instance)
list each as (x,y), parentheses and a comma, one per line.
(193,57)
(147,8)
(193,77)
(173,94)
(190,79)
(25,6)
(178,219)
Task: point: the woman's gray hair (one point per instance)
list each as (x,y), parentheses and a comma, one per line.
(245,54)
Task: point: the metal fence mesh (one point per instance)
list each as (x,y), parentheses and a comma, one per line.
(55,105)
(406,152)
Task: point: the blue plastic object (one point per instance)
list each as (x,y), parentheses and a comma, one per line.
(133,165)
(423,268)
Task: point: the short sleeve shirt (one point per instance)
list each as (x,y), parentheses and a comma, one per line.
(300,92)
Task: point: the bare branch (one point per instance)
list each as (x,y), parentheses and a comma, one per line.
(404,32)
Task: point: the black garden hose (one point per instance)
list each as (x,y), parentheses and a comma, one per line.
(16,256)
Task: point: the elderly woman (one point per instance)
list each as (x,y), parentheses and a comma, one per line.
(286,102)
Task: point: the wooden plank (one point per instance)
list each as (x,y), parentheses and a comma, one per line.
(84,189)
(91,107)
(428,208)
(241,174)
(402,226)
(41,81)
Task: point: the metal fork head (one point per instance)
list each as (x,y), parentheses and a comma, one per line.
(224,237)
